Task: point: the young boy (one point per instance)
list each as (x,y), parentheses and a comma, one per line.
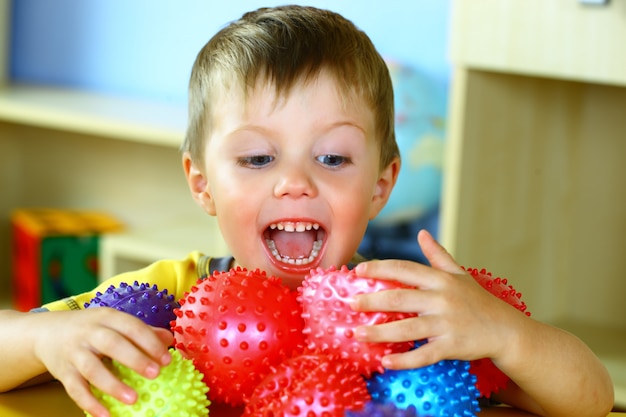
(291,145)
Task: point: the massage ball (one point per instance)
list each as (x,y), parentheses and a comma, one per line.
(309,385)
(373,409)
(330,322)
(445,388)
(155,307)
(178,391)
(490,378)
(500,288)
(235,325)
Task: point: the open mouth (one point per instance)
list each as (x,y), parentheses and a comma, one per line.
(294,242)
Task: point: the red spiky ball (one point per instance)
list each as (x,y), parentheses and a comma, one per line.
(235,325)
(490,379)
(311,385)
(330,322)
(500,288)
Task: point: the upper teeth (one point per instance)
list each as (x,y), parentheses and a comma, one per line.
(294,226)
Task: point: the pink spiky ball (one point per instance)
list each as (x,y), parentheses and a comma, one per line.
(490,379)
(311,385)
(235,326)
(330,322)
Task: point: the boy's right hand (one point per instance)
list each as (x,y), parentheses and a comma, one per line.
(72,344)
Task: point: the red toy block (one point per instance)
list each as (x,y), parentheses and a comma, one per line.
(55,253)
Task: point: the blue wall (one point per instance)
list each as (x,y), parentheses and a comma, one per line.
(145,48)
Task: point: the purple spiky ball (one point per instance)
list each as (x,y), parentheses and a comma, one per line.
(155,307)
(373,409)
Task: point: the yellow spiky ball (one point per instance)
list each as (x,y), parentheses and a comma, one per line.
(178,391)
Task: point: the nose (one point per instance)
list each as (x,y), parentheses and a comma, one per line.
(295,180)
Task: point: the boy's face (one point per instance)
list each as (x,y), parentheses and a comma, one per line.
(292,182)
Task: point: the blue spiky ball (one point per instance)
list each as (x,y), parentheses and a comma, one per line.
(445,388)
(155,307)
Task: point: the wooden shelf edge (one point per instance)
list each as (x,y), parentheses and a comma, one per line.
(111,117)
(529,71)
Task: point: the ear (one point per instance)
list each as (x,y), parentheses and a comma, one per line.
(386,181)
(198,185)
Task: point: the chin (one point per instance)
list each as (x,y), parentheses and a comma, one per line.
(291,275)
(292,282)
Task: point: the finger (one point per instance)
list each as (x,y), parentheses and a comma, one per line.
(93,370)
(81,394)
(110,343)
(425,355)
(152,342)
(90,371)
(404,272)
(414,328)
(167,339)
(400,301)
(436,254)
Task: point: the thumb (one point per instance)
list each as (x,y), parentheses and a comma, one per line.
(436,254)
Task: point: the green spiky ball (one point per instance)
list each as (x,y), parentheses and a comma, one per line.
(178,391)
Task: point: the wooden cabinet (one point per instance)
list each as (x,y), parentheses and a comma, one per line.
(535,179)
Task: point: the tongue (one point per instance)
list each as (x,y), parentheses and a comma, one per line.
(294,244)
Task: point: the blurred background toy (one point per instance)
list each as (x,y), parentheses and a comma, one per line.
(55,253)
(421,101)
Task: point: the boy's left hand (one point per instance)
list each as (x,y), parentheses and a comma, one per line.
(458,317)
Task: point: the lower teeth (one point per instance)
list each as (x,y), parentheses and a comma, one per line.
(317,245)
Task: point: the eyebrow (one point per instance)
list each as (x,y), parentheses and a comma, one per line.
(263,130)
(347,123)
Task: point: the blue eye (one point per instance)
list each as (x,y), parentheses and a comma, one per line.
(333,160)
(255,161)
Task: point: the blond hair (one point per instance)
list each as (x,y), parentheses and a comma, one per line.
(284,45)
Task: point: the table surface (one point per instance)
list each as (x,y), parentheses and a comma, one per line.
(51,400)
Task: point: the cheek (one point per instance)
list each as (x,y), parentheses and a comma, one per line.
(230,189)
(234,209)
(351,211)
(238,230)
